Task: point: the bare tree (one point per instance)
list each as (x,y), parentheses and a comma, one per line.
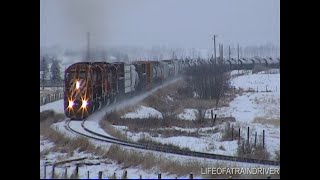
(209,81)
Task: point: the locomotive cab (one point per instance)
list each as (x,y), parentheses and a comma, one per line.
(77,98)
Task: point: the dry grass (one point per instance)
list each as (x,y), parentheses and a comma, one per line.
(148,161)
(63,143)
(264,120)
(277,152)
(148,141)
(51,116)
(107,126)
(250,151)
(165,133)
(258,68)
(146,124)
(227,133)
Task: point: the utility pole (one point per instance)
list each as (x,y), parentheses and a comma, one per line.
(214,42)
(238,53)
(88,46)
(238,58)
(222,54)
(229,53)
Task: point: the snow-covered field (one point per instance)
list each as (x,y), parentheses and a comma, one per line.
(245,108)
(257,110)
(143,112)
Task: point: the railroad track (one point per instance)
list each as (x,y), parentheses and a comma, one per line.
(166,149)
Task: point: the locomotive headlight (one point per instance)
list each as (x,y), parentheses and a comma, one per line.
(84,103)
(77,85)
(71,103)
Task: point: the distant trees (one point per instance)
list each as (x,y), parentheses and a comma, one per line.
(44,68)
(55,71)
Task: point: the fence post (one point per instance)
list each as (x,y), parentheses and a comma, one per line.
(211,113)
(114,175)
(255,140)
(140,176)
(88,177)
(100,174)
(77,170)
(239,134)
(248,135)
(243,149)
(232,132)
(191,175)
(45,171)
(159,176)
(125,174)
(263,139)
(66,173)
(53,167)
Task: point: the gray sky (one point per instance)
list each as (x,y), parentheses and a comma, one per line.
(174,23)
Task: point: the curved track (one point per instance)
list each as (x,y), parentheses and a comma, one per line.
(166,149)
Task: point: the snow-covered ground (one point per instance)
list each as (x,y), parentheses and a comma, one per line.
(247,109)
(57,106)
(244,108)
(107,166)
(143,112)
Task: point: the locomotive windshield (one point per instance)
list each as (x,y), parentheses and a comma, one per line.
(73,75)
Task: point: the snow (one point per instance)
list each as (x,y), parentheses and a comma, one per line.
(244,108)
(57,106)
(45,144)
(258,82)
(143,112)
(169,98)
(188,114)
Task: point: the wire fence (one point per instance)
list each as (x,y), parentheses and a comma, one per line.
(51,98)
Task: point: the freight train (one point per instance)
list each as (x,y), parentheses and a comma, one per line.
(92,85)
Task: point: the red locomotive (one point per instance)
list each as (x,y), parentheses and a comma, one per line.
(91,85)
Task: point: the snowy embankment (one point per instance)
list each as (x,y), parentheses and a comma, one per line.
(255,109)
(56,106)
(244,108)
(143,112)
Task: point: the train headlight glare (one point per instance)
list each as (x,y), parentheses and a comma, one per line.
(77,85)
(71,103)
(84,103)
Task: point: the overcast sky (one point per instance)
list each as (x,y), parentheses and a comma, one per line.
(174,23)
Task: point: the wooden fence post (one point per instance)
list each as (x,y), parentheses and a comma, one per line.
(77,170)
(45,171)
(66,173)
(191,175)
(88,177)
(248,135)
(125,174)
(114,175)
(239,134)
(255,140)
(100,174)
(263,139)
(53,168)
(159,176)
(232,132)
